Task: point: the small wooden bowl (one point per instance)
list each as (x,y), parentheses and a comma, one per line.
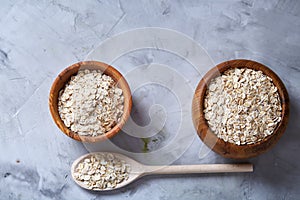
(65,76)
(226,149)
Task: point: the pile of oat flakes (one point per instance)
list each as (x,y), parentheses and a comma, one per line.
(242,106)
(90,104)
(101,171)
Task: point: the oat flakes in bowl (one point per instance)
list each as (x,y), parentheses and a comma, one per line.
(90,101)
(240,109)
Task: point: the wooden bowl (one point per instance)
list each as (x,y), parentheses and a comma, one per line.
(65,76)
(226,149)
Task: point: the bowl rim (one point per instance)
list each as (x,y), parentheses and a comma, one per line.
(106,69)
(219,145)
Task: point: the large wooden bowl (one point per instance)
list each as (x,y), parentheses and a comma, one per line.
(65,76)
(226,149)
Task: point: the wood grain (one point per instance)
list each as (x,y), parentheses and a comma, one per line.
(202,168)
(65,76)
(227,149)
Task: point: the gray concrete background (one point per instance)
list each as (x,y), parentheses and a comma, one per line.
(40,38)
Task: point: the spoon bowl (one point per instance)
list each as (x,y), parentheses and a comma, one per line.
(137,170)
(135,173)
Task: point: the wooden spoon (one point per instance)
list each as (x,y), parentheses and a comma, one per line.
(138,170)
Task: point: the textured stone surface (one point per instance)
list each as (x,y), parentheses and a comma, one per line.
(40,38)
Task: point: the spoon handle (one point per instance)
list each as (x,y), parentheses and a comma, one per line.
(203,168)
